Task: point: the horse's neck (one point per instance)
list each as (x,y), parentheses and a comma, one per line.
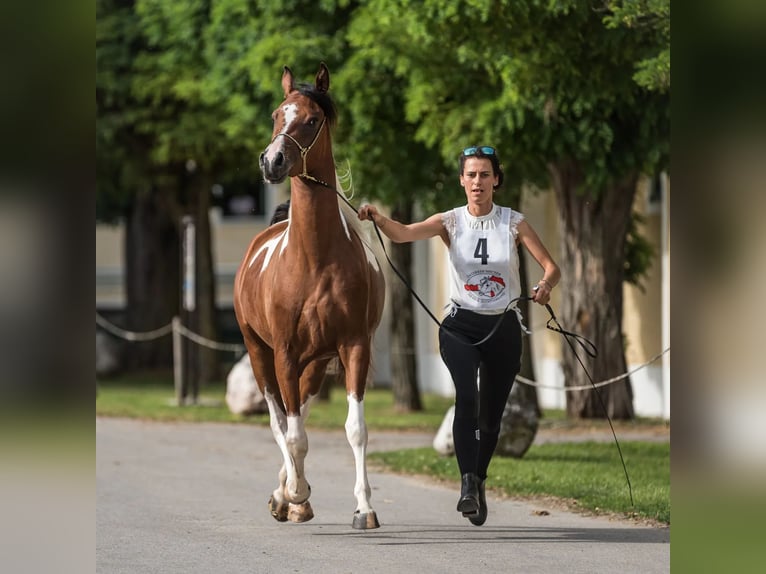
(315,219)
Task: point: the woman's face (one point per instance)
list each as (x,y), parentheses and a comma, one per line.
(478,179)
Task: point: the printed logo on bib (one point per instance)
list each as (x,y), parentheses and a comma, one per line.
(484,286)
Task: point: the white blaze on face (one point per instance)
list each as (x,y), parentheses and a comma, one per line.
(290,112)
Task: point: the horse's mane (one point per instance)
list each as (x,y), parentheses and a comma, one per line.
(322,99)
(364,232)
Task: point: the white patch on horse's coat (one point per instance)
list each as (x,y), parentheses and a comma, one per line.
(270,247)
(277,417)
(291,112)
(356,433)
(297,444)
(355,419)
(345,224)
(290,435)
(371,259)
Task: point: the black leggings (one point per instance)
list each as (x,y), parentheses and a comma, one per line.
(479,408)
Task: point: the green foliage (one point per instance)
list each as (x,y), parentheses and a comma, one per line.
(417,81)
(653,71)
(195,80)
(544,82)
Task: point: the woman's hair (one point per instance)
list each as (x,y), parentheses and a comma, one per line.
(478,151)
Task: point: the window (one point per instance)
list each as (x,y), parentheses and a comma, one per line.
(243,198)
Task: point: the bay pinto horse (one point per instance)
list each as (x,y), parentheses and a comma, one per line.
(308,290)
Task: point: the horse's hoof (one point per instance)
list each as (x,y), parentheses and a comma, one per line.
(300,512)
(278,509)
(365,521)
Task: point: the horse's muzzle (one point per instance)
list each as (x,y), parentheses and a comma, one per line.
(274,171)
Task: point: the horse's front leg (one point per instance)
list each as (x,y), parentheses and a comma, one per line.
(283,505)
(357,366)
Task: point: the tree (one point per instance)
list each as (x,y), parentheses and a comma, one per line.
(125,176)
(160,147)
(553,84)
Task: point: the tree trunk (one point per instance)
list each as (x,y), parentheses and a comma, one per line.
(521,417)
(593,232)
(151,279)
(206,320)
(403,367)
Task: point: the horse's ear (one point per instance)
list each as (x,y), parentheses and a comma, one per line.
(323,79)
(287,81)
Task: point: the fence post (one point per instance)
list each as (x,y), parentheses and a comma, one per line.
(190,355)
(178,360)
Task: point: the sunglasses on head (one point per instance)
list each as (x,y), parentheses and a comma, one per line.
(484,149)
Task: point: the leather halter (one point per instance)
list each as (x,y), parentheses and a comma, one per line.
(304,152)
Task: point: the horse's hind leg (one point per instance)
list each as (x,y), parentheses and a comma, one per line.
(357,364)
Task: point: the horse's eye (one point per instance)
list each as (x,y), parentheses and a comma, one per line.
(313,122)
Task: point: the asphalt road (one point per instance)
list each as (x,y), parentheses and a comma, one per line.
(191,498)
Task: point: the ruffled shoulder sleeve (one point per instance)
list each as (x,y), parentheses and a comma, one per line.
(516,218)
(449,222)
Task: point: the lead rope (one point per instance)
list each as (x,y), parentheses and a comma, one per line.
(591,351)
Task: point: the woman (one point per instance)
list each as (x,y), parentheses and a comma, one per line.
(482,239)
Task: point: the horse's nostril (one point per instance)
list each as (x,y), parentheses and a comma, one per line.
(279,159)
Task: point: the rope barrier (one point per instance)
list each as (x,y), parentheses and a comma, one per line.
(200,340)
(132,335)
(234,347)
(597,385)
(166,330)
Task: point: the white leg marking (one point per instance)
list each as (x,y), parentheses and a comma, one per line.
(356,433)
(278,423)
(296,489)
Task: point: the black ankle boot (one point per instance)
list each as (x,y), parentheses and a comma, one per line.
(469,494)
(481,516)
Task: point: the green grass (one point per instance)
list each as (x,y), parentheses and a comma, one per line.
(155,400)
(586,476)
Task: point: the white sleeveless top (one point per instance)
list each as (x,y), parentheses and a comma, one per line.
(484,275)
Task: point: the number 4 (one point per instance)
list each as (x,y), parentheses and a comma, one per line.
(481,251)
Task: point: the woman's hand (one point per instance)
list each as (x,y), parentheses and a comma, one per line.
(368,212)
(542,293)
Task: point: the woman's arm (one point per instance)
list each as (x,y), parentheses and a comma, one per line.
(401,233)
(551,273)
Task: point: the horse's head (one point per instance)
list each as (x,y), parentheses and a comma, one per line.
(300,125)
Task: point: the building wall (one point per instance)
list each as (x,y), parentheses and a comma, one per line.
(643,316)
(110,261)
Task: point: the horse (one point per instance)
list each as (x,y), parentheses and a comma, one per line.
(309,289)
